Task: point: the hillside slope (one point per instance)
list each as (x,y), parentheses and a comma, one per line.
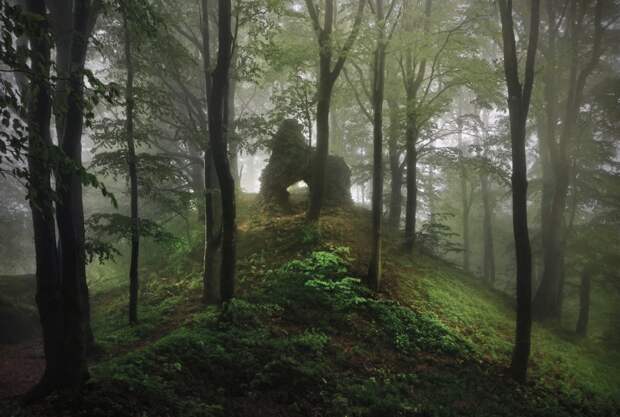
(304,338)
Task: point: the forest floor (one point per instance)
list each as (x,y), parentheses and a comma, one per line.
(304,337)
(21,366)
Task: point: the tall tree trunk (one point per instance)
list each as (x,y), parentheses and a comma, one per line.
(336,135)
(133,176)
(546,197)
(218,131)
(396,172)
(62,27)
(464,196)
(518,106)
(211,290)
(70,210)
(413,81)
(584,303)
(488,262)
(327,79)
(548,300)
(40,195)
(233,142)
(213,234)
(411,137)
(319,162)
(374,268)
(197,176)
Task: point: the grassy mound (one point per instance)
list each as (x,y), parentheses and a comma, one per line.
(305,338)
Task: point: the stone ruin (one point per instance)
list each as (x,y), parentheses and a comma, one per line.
(291,162)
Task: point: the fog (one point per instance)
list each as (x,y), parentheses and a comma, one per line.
(455,154)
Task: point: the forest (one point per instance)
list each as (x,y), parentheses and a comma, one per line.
(357,208)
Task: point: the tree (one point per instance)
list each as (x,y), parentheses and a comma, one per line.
(49,293)
(518,106)
(213,199)
(430,68)
(70,210)
(218,130)
(396,166)
(413,76)
(327,78)
(133,175)
(558,133)
(488,258)
(62,293)
(374,268)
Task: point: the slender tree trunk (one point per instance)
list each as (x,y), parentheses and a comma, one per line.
(133,177)
(40,195)
(327,78)
(62,28)
(552,211)
(412,189)
(196,171)
(546,197)
(233,150)
(464,198)
(522,245)
(488,264)
(518,106)
(213,200)
(374,268)
(548,300)
(396,173)
(213,234)
(218,130)
(317,188)
(584,303)
(337,135)
(413,81)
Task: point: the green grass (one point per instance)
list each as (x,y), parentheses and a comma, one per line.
(485,318)
(304,337)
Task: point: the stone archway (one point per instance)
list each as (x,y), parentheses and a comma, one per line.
(291,162)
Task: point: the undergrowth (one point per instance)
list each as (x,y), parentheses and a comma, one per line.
(306,338)
(311,341)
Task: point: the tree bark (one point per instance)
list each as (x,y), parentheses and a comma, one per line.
(40,195)
(518,106)
(396,172)
(213,234)
(465,203)
(411,136)
(233,143)
(324,96)
(70,211)
(413,80)
(548,301)
(218,130)
(488,263)
(374,268)
(133,176)
(584,303)
(211,290)
(327,79)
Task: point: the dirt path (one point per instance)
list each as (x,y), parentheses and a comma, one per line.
(21,366)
